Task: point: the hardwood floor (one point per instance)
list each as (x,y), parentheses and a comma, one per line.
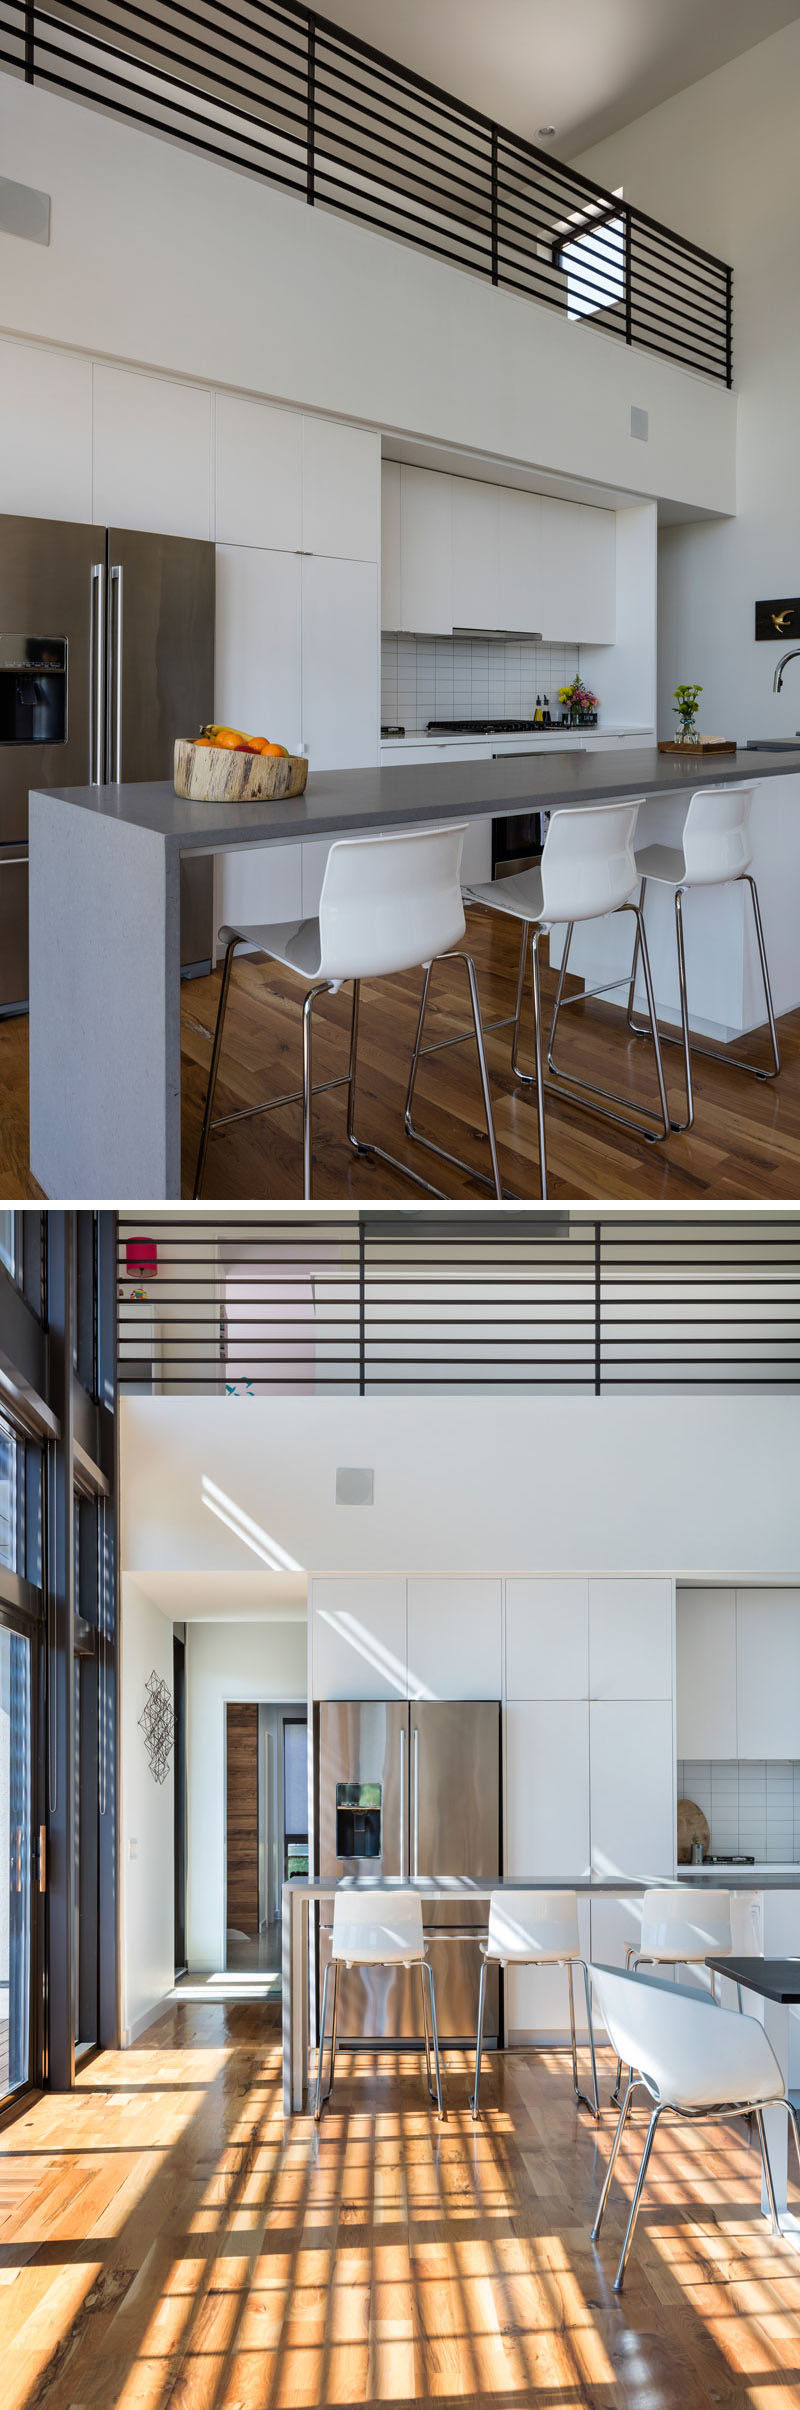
(745,1145)
(166,2239)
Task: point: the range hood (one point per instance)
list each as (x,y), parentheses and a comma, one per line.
(503,635)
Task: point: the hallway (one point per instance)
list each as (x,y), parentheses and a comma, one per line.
(165,2238)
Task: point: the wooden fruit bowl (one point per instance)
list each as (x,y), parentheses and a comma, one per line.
(212,774)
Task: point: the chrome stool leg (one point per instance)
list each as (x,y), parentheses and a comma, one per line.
(690,1044)
(435,2032)
(621,2124)
(583,1092)
(423,1991)
(474,2103)
(325,987)
(216,1051)
(528,1077)
(581,2097)
(321,2047)
(412,1132)
(593,2104)
(768,2178)
(634,2211)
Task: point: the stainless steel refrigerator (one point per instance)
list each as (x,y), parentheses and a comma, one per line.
(106,655)
(405,1790)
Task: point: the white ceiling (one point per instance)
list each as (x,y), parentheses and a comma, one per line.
(225,1597)
(586,67)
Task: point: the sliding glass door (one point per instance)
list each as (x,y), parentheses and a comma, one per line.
(16,1858)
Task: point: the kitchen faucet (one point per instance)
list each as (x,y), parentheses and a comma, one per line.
(778,678)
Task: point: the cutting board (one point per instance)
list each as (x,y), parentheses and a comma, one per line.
(213,774)
(705,744)
(692,1825)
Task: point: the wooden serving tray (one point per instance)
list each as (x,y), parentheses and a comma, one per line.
(212,774)
(705,744)
(690,1821)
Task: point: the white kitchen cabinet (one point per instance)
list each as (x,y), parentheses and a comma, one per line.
(476,528)
(259,472)
(45,433)
(257,686)
(767,1672)
(455,1639)
(358,1638)
(577,571)
(340,640)
(547,1823)
(476,857)
(547,1639)
(632,1779)
(596,543)
(426,525)
(519,559)
(151,453)
(546,1748)
(341,490)
(630,1639)
(706,1673)
(391,556)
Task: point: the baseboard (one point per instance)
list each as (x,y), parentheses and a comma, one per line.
(149,2016)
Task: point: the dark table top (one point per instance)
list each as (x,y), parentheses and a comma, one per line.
(336,801)
(774,1978)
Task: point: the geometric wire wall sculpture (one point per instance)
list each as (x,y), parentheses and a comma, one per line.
(158,1725)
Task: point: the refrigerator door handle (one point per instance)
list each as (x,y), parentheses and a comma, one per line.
(97,671)
(402,1806)
(415,1860)
(116,607)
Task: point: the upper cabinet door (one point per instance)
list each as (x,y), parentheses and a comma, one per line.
(358,1637)
(426,525)
(597,548)
(520,560)
(455,1639)
(706,1673)
(578,545)
(341,646)
(547,1638)
(45,433)
(341,490)
(391,556)
(152,447)
(630,1639)
(259,465)
(768,1672)
(476,529)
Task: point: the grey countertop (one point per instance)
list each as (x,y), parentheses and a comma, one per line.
(340,800)
(733,1878)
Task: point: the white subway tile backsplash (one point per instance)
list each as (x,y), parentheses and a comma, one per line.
(751,1806)
(448,678)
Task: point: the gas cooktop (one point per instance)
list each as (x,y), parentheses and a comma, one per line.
(487,728)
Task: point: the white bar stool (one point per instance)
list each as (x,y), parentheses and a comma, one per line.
(388,904)
(695,2058)
(378,1928)
(588,869)
(716,851)
(536,1928)
(679,1930)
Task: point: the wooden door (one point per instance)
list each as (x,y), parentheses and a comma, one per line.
(242,1819)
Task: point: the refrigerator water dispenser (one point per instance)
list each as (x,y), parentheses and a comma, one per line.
(358,1819)
(33,690)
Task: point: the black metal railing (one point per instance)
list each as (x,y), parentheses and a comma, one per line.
(386,1304)
(280,92)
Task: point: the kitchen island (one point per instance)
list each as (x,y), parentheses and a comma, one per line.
(105,924)
(301,1893)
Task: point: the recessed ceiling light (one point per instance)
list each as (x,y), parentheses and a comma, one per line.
(546,133)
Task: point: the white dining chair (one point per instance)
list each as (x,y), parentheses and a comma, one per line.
(388,904)
(380,1927)
(536,1928)
(716,851)
(692,2057)
(681,1926)
(588,869)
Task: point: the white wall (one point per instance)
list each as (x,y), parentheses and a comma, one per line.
(259,1662)
(481,1485)
(721,163)
(147,238)
(146,1819)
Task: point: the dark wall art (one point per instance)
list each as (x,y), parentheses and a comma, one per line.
(777,622)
